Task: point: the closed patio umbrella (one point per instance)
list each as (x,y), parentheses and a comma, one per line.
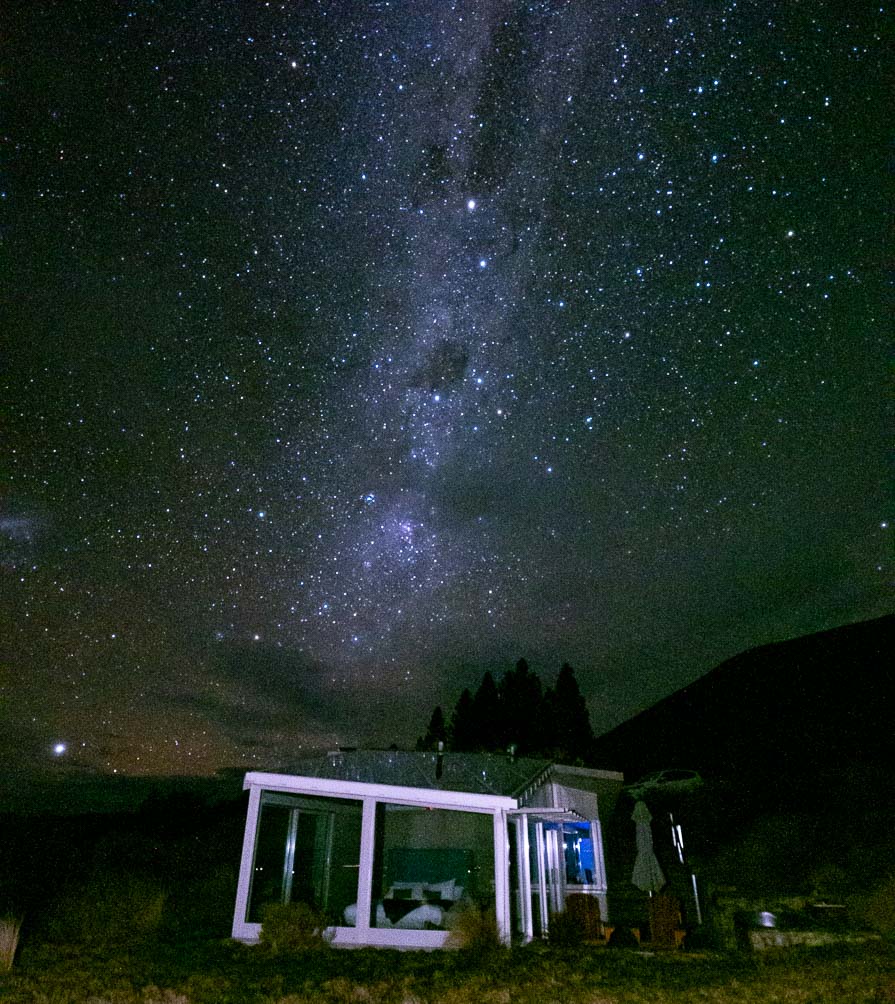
(647,874)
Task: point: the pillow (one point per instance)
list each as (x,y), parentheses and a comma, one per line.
(405,890)
(441,890)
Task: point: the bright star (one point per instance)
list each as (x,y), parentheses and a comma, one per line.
(59,749)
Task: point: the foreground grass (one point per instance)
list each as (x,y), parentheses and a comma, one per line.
(227,973)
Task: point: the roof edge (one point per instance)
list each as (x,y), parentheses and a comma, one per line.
(308,785)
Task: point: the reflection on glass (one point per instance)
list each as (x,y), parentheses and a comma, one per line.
(307,850)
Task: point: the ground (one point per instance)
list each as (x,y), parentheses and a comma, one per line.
(221,972)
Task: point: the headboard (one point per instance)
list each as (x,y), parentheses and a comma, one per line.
(429,865)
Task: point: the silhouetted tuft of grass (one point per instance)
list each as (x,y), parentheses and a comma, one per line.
(9,940)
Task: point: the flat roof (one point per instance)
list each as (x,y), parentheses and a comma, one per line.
(488,774)
(468,773)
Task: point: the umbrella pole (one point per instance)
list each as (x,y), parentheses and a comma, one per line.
(677,837)
(696,898)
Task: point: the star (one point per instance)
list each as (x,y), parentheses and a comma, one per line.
(284,392)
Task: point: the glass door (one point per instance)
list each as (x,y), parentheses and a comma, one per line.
(307,850)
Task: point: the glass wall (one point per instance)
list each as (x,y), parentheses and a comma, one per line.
(578,849)
(307,850)
(430,865)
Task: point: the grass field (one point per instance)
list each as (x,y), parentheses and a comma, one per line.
(133,908)
(223,972)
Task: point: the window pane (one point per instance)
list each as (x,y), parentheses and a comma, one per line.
(270,852)
(430,865)
(307,850)
(579,854)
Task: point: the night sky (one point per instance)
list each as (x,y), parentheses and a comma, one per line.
(353,348)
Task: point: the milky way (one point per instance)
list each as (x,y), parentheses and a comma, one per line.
(352,349)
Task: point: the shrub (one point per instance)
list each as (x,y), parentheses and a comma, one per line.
(876,909)
(830,881)
(203,906)
(292,927)
(475,931)
(9,940)
(565,930)
(108,909)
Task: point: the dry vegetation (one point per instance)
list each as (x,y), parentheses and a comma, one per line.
(222,972)
(9,940)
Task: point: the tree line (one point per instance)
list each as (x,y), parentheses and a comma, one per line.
(519,712)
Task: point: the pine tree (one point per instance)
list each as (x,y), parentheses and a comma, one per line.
(553,724)
(486,715)
(521,709)
(569,726)
(436,731)
(549,741)
(462,736)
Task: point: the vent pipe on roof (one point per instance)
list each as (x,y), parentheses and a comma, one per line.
(439,760)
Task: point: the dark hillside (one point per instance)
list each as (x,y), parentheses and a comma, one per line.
(803,708)
(793,741)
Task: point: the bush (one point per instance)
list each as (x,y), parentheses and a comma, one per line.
(292,927)
(108,909)
(203,906)
(475,931)
(876,909)
(565,930)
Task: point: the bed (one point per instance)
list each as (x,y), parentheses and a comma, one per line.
(425,889)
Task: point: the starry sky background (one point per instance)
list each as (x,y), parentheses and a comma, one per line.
(353,348)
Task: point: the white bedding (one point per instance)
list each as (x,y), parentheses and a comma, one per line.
(424,914)
(415,920)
